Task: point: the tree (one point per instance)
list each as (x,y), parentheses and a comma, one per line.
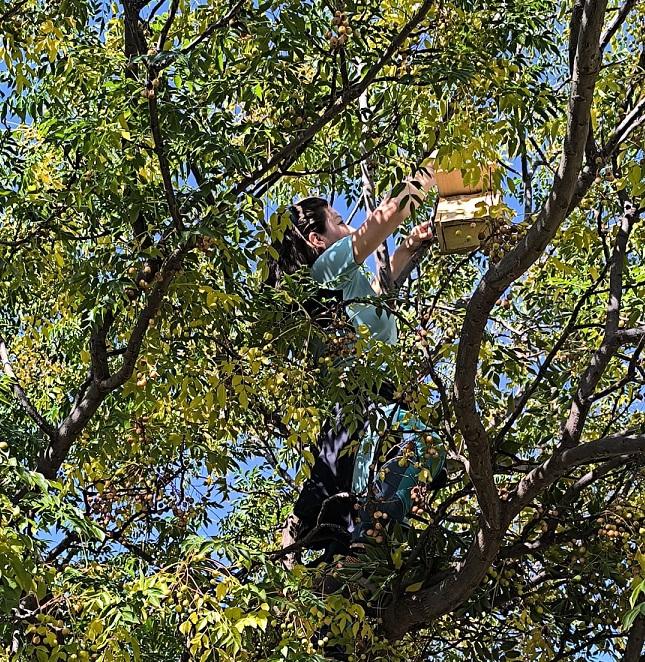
(158,399)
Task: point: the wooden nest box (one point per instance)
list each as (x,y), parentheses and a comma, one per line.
(463,217)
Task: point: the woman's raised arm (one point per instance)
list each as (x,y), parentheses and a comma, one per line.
(380,224)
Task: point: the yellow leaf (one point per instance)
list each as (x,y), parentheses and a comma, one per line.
(94,629)
(221,590)
(413,588)
(221,395)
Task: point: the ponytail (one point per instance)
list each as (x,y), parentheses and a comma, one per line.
(294,250)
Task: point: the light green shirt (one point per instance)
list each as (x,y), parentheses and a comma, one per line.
(336,269)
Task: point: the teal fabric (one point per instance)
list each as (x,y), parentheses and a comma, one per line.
(406,478)
(336,269)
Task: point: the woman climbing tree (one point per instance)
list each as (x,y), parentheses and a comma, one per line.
(317,238)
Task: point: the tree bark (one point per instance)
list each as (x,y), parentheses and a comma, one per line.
(634,650)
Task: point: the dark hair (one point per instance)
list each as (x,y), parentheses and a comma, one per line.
(308,215)
(294,252)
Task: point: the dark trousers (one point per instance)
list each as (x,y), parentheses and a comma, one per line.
(331,476)
(326,497)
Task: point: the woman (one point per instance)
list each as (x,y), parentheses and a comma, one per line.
(319,239)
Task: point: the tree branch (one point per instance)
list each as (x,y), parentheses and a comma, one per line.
(52,458)
(625,443)
(339,104)
(31,411)
(618,20)
(569,327)
(163,160)
(522,256)
(631,374)
(582,400)
(12,10)
(167,25)
(634,649)
(215,26)
(382,255)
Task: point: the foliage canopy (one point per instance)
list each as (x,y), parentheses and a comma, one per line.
(159,407)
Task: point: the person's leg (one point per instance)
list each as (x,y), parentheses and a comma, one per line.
(368,446)
(421,452)
(321,499)
(399,474)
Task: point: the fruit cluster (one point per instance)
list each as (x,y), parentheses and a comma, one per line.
(139,430)
(340,31)
(605,174)
(49,634)
(421,339)
(342,337)
(143,278)
(502,237)
(623,523)
(138,492)
(376,531)
(420,500)
(205,244)
(146,372)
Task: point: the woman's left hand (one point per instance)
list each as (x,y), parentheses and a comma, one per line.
(420,234)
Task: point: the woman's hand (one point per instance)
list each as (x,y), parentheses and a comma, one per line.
(418,236)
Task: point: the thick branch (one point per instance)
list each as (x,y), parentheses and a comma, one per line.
(165,277)
(51,460)
(634,649)
(454,590)
(627,443)
(525,253)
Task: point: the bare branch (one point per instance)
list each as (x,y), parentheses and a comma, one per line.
(163,160)
(635,640)
(574,31)
(215,26)
(545,541)
(630,123)
(617,21)
(45,427)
